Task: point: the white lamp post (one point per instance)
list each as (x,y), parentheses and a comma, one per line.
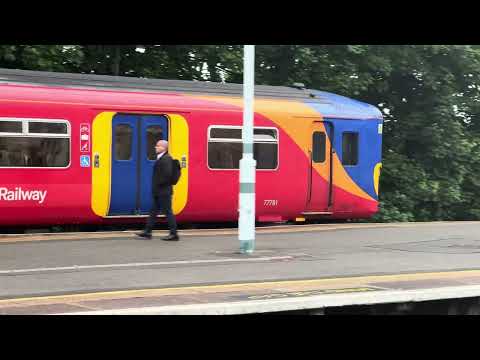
(246,220)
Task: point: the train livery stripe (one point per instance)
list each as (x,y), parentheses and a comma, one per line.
(101,148)
(376,176)
(291,116)
(178,148)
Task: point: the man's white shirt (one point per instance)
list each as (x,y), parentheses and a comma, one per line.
(160,155)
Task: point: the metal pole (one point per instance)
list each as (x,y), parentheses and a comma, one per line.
(246,220)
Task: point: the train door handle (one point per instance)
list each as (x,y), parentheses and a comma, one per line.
(96,161)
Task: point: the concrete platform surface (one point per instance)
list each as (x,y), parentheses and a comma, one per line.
(203,273)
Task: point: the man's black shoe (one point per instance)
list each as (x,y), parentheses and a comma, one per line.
(145,236)
(171,238)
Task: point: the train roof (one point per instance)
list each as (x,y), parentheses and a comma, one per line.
(328,104)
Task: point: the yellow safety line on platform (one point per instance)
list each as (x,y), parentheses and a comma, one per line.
(214,232)
(369,280)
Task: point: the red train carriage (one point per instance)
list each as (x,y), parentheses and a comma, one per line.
(79,149)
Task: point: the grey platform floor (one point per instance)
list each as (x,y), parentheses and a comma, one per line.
(39,268)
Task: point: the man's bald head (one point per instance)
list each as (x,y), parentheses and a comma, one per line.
(161,146)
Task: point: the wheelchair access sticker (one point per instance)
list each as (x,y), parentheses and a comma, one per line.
(85,160)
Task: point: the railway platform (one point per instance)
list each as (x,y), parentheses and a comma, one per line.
(309,268)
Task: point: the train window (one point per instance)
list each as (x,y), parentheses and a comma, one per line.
(236,133)
(154,133)
(123,142)
(17,151)
(264,135)
(35,127)
(318,147)
(11,127)
(224,155)
(266,155)
(46,145)
(225,148)
(350,148)
(226,133)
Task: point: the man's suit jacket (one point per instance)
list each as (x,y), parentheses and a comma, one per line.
(162,174)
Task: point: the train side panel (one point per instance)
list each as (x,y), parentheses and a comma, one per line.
(213,193)
(64,192)
(361,164)
(30,196)
(349,198)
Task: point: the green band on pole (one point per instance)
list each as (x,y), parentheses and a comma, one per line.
(247,188)
(247,246)
(248,148)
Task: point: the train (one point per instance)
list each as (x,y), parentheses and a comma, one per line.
(78,149)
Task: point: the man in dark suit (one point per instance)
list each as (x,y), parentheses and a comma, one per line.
(162,193)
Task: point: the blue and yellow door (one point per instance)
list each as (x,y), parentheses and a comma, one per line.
(123,157)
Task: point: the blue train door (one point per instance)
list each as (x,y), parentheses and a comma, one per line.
(133,156)
(319,198)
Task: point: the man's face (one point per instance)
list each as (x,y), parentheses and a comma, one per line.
(159,148)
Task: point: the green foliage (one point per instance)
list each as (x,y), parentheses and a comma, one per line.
(429,95)
(41,57)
